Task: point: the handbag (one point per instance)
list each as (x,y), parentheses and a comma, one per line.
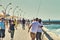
(9,31)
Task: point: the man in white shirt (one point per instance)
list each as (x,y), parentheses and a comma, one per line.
(33,28)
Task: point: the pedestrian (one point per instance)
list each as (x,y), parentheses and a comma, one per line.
(2,27)
(39,31)
(16,24)
(11,28)
(33,28)
(23,24)
(28,22)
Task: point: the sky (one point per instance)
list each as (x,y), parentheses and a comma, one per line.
(44,9)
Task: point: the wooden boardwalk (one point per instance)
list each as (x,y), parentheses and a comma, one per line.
(21,34)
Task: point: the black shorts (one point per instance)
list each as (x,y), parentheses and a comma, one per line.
(2,33)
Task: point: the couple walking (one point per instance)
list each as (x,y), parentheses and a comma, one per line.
(36,29)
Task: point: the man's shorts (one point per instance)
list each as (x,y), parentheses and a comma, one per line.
(33,35)
(2,33)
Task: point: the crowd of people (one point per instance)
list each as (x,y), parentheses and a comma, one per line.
(10,24)
(34,27)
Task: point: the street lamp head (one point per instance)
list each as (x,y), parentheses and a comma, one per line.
(19,9)
(17,6)
(10,3)
(0,5)
(10,8)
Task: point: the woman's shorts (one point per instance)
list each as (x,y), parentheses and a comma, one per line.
(33,35)
(2,33)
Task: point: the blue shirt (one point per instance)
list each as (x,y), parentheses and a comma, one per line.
(2,25)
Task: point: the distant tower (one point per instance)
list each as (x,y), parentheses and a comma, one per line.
(49,21)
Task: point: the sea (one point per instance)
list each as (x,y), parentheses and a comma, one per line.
(55,28)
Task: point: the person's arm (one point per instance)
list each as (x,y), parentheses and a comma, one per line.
(29,27)
(6,23)
(41,25)
(15,26)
